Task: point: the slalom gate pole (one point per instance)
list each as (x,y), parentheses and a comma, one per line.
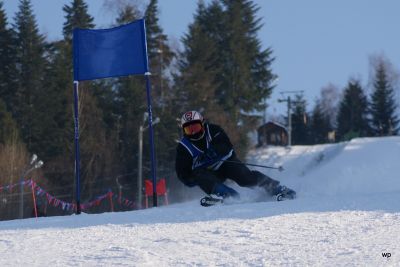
(280,168)
(151,133)
(77,150)
(151,137)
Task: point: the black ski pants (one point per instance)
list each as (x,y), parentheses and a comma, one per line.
(236,171)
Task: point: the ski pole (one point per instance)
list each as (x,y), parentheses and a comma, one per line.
(280,168)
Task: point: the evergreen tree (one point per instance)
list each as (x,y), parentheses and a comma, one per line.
(300,129)
(159,53)
(131,106)
(128,108)
(237,70)
(160,57)
(8,125)
(13,155)
(383,106)
(247,75)
(99,160)
(352,118)
(76,16)
(320,125)
(198,68)
(97,149)
(7,56)
(196,83)
(128,14)
(31,62)
(58,105)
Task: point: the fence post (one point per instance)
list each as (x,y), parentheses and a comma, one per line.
(110,194)
(33,197)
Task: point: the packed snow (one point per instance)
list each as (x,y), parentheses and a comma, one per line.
(347,214)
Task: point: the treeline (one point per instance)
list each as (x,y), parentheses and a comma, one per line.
(340,115)
(221,71)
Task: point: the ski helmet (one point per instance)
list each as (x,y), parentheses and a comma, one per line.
(192,125)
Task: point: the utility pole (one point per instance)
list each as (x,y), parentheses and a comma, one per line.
(160,52)
(140,159)
(34,164)
(289,112)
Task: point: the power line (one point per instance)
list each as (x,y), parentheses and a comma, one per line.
(289,110)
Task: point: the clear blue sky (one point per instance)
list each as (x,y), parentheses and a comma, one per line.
(315,42)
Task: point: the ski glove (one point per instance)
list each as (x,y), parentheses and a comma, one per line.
(209,155)
(208,158)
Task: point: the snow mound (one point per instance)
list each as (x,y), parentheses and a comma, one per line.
(360,166)
(346,213)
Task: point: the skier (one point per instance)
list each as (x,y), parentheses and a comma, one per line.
(205,157)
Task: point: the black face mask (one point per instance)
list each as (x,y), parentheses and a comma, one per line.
(197,136)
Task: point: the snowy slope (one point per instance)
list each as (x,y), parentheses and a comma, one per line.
(361,166)
(347,213)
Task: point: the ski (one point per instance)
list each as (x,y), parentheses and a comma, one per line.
(208,201)
(282,197)
(285,194)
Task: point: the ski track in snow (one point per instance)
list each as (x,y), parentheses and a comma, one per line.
(347,214)
(305,238)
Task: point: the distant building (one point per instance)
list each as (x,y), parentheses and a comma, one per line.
(332,136)
(272,133)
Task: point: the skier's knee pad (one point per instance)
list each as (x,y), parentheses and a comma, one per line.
(224,191)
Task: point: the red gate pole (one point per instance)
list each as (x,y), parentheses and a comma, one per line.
(111,201)
(33,197)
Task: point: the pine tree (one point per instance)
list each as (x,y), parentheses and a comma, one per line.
(300,128)
(159,53)
(352,118)
(31,62)
(383,106)
(7,56)
(247,75)
(160,57)
(198,68)
(13,155)
(320,125)
(128,108)
(128,14)
(99,157)
(97,149)
(131,106)
(228,59)
(8,125)
(76,16)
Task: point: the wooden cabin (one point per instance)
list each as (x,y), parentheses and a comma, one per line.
(272,133)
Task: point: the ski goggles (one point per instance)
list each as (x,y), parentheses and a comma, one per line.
(193,128)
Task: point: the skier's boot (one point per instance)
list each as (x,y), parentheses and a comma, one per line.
(281,192)
(273,188)
(268,184)
(220,193)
